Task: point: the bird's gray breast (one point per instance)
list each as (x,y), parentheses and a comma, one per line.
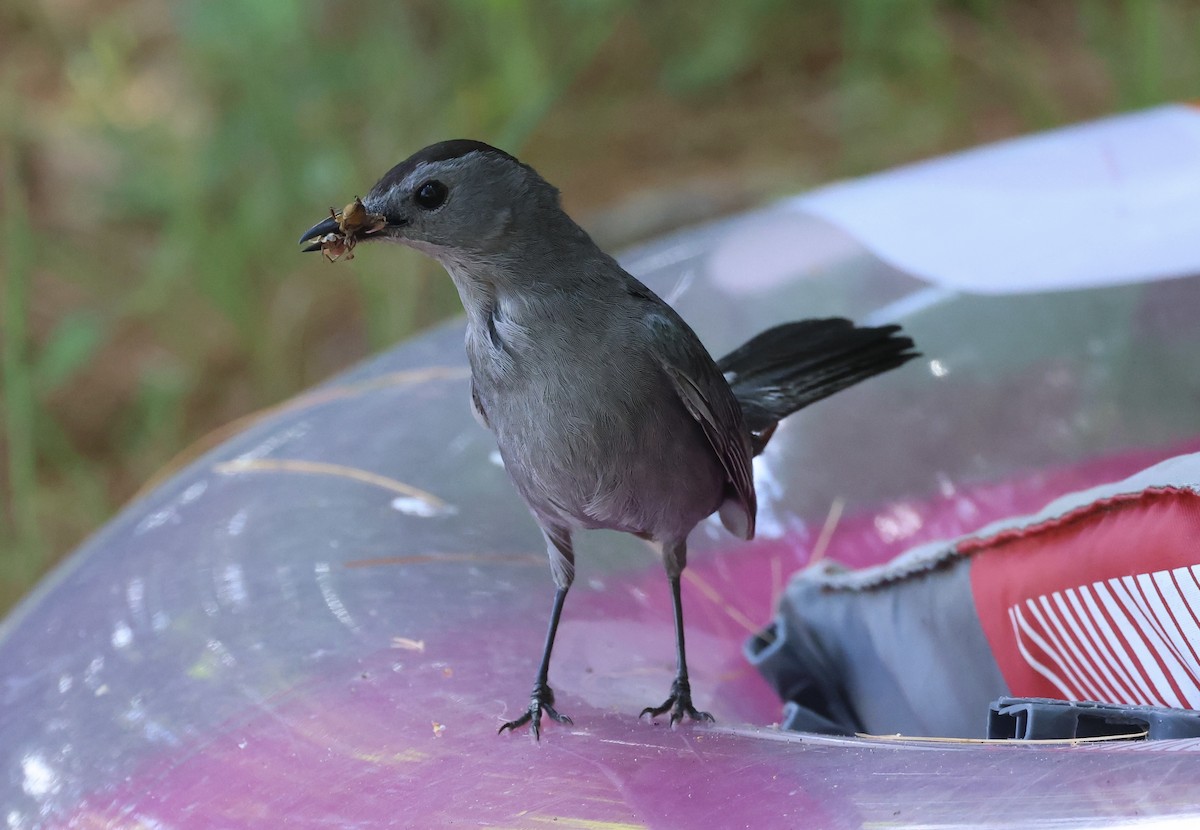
(590,431)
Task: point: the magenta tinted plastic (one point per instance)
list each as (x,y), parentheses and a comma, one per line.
(323,621)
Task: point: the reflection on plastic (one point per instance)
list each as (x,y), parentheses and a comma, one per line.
(323,621)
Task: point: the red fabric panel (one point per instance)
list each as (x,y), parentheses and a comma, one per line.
(1102,603)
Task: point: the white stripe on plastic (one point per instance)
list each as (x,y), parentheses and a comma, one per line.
(1123,686)
(1120,606)
(1110,201)
(1185,634)
(1092,666)
(1133,639)
(1019,625)
(1060,654)
(1162,623)
(1127,661)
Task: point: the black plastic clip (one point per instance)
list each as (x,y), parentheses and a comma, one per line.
(1036,718)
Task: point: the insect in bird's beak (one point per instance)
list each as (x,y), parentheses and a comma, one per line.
(336,236)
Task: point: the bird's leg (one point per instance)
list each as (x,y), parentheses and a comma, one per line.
(680,701)
(541,701)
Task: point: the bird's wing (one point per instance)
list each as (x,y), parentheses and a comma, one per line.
(477,407)
(706,395)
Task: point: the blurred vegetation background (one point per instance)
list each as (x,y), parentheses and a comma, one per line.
(158,161)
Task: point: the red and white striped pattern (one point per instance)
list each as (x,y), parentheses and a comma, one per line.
(1133,639)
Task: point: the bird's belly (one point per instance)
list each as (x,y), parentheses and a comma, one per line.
(621,465)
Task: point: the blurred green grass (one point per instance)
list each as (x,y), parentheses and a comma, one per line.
(159,160)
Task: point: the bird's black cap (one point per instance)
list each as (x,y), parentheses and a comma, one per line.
(442,151)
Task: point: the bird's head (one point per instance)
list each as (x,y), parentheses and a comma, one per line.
(451,200)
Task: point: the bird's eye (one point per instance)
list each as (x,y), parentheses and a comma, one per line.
(430,195)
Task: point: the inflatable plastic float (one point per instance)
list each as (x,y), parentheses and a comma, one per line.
(322,621)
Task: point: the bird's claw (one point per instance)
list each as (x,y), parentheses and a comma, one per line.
(679,704)
(541,702)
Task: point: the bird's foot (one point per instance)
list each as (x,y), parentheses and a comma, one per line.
(540,702)
(679,704)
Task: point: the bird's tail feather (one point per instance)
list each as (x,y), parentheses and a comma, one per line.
(788,367)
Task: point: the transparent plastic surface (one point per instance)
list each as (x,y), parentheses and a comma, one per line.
(323,621)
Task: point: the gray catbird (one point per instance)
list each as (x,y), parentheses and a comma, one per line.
(607,409)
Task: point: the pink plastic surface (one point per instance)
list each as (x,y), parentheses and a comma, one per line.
(323,622)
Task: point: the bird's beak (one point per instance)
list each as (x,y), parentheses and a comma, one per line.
(317,232)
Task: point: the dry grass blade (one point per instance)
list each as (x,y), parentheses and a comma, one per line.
(288,465)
